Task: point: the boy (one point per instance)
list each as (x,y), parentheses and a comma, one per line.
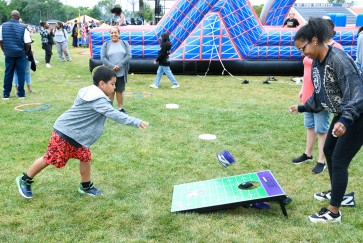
(77,129)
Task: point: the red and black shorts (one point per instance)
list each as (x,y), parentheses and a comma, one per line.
(60,151)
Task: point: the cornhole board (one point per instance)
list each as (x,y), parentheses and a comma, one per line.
(224,193)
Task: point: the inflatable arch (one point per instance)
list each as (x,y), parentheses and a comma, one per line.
(218,34)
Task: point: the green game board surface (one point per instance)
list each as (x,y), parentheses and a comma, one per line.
(211,194)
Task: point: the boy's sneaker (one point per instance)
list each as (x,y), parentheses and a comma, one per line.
(325,216)
(91,190)
(303,158)
(321,196)
(153,86)
(319,168)
(24,187)
(175,86)
(6,97)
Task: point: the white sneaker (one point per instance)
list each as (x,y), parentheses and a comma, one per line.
(153,86)
(325,216)
(48,65)
(36,61)
(297,80)
(175,86)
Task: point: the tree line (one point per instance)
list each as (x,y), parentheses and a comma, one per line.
(34,11)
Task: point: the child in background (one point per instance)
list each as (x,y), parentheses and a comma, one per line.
(164,63)
(77,129)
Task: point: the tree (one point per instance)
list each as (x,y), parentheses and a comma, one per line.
(258,9)
(95,12)
(105,7)
(148,12)
(4,12)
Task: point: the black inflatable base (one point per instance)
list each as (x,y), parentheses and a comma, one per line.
(281,68)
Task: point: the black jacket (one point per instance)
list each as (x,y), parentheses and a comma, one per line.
(163,54)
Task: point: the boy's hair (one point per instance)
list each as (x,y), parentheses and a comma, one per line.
(316,27)
(102,73)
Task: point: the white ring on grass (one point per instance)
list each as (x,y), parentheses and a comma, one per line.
(172,106)
(207,136)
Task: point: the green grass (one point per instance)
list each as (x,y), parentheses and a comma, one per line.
(137,169)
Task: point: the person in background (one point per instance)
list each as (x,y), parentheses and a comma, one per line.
(291,22)
(317,124)
(117,11)
(338,88)
(116,54)
(28,80)
(61,42)
(15,41)
(47,35)
(164,63)
(359,59)
(77,129)
(75,34)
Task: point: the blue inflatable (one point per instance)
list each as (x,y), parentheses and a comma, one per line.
(218,35)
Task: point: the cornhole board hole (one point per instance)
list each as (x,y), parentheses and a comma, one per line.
(225,193)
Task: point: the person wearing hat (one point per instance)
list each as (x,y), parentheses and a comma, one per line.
(15,42)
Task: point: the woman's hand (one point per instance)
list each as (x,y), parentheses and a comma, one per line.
(338,130)
(293,108)
(116,68)
(154,62)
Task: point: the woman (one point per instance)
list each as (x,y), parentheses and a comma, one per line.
(116,54)
(61,42)
(317,124)
(359,59)
(338,88)
(75,34)
(164,63)
(47,42)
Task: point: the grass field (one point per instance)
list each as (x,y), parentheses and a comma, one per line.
(137,169)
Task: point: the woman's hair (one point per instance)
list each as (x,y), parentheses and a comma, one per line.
(115,27)
(102,73)
(60,24)
(165,37)
(116,10)
(316,27)
(43,23)
(360,30)
(331,26)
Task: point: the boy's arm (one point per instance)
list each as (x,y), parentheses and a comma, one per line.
(105,108)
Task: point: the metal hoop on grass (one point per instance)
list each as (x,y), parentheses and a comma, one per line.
(39,107)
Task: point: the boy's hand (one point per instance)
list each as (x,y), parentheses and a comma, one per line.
(143,124)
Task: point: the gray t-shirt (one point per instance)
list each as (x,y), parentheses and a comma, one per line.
(116,52)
